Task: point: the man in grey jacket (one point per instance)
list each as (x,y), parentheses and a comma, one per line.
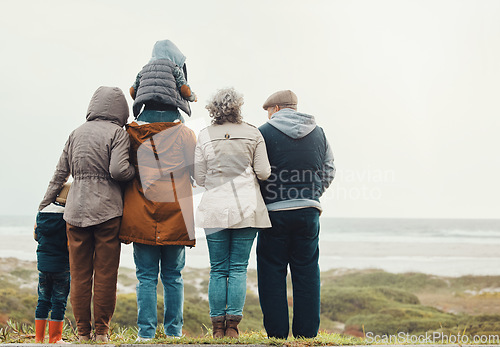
(96,155)
(301,170)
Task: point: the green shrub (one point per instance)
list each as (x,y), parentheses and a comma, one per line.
(196,318)
(18,305)
(126,310)
(385,324)
(340,303)
(377,278)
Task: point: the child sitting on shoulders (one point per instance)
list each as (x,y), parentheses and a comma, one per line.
(161,86)
(53,267)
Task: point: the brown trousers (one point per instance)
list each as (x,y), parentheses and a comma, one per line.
(94,256)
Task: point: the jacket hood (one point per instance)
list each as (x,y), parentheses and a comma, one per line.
(50,223)
(292,123)
(166,49)
(165,136)
(161,130)
(108,103)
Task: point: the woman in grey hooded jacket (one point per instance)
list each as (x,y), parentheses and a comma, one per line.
(96,155)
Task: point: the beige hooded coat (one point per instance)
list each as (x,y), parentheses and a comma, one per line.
(97,156)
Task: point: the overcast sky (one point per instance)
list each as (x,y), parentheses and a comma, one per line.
(406,91)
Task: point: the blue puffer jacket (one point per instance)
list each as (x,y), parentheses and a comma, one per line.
(52,251)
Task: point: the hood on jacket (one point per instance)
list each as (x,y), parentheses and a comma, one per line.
(292,123)
(108,103)
(166,137)
(166,49)
(164,131)
(49,223)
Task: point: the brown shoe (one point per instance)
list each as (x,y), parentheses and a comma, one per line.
(232,322)
(218,326)
(84,338)
(101,338)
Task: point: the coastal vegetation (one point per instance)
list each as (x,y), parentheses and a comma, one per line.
(353,304)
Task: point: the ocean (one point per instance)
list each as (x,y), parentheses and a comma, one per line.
(443,247)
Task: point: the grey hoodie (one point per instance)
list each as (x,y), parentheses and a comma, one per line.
(97,156)
(298,125)
(292,123)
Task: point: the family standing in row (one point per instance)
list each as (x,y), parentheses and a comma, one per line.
(136,186)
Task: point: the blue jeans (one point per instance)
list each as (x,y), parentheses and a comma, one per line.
(169,262)
(53,290)
(229,251)
(293,240)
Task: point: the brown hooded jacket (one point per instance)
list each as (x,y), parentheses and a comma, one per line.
(158,203)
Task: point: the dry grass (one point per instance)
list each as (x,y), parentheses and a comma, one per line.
(462,302)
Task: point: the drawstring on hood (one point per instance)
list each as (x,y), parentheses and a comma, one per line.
(166,49)
(292,123)
(108,103)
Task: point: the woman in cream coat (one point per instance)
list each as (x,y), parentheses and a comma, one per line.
(230,158)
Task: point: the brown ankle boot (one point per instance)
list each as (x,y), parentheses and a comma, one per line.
(40,325)
(101,338)
(218,326)
(84,338)
(232,322)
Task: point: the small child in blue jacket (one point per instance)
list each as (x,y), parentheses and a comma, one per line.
(53,267)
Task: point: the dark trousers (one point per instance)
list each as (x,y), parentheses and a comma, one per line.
(53,290)
(293,240)
(94,256)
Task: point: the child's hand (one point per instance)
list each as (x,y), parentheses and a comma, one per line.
(188,94)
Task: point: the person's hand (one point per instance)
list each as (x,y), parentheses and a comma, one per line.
(34,233)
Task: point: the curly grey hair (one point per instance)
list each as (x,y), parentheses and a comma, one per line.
(225,106)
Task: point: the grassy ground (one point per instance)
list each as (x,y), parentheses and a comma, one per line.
(17,333)
(385,303)
(353,303)
(24,333)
